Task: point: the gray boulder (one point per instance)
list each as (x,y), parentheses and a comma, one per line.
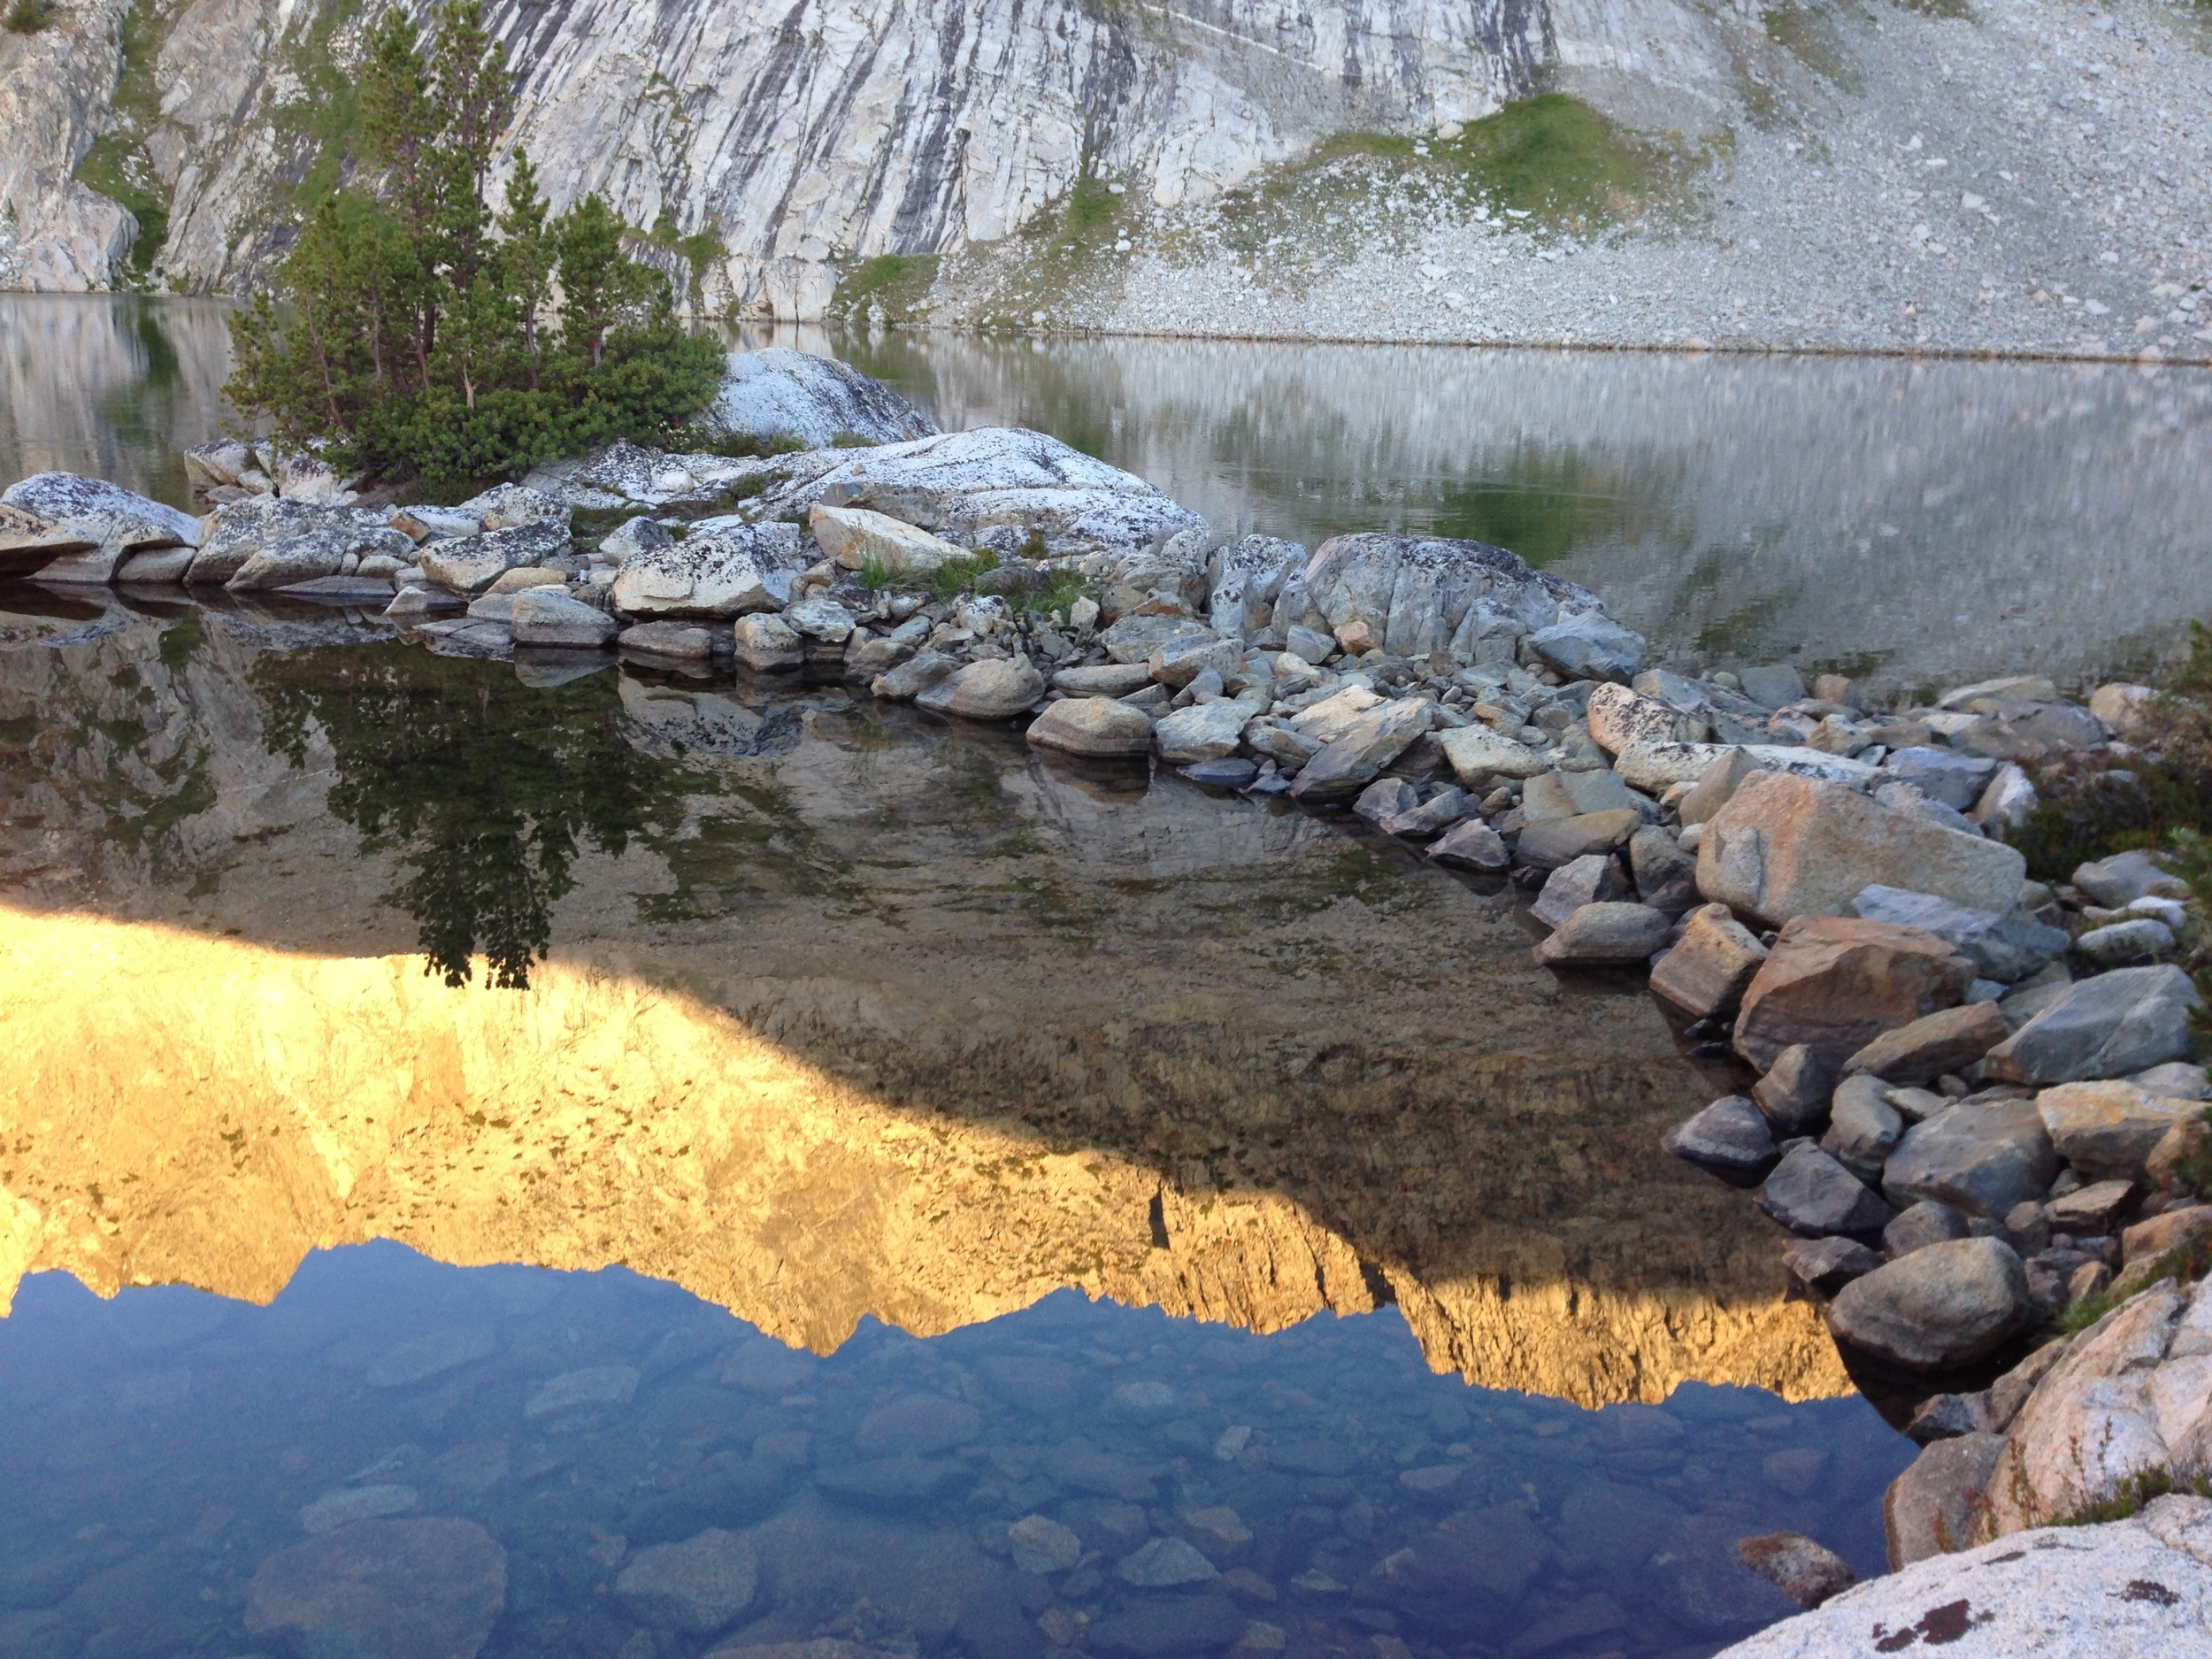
(1413,595)
(1731,1138)
(1666,876)
(766,643)
(1772,685)
(781,393)
(2006,948)
(1586,880)
(1605,935)
(1931,1508)
(1942,774)
(2118,881)
(1246,579)
(996,688)
(1210,731)
(1937,1309)
(1590,645)
(1922,1225)
(1340,769)
(319,553)
(469,564)
(2110,1026)
(1795,1092)
(1558,840)
(1815,1196)
(548,616)
(2142,940)
(1982,1158)
(1472,845)
(1572,793)
(729,570)
(108,520)
(1100,727)
(1863,1127)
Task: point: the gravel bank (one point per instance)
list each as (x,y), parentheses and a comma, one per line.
(2029,180)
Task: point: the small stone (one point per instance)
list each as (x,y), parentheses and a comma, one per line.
(1386,797)
(1731,1138)
(1863,1126)
(1204,731)
(913,676)
(1587,880)
(1619,716)
(1606,935)
(1770,687)
(1815,1196)
(1374,739)
(1178,663)
(1797,1088)
(1666,876)
(995,688)
(1478,754)
(1226,774)
(766,641)
(1947,1040)
(1100,727)
(2118,881)
(1162,1563)
(2124,709)
(2142,940)
(698,1586)
(1433,817)
(2108,1130)
(1472,845)
(1715,785)
(1938,1309)
(1103,679)
(1942,774)
(2146,1239)
(1556,841)
(593,1386)
(1807,1572)
(1948,1416)
(1919,1225)
(1556,795)
(1825,1266)
(1043,1545)
(1705,972)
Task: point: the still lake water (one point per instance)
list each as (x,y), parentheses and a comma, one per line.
(902,1136)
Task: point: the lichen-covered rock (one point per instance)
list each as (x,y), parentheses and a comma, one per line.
(548,616)
(510,506)
(781,393)
(1620,717)
(469,564)
(235,533)
(1246,579)
(1413,595)
(766,641)
(730,570)
(318,553)
(110,520)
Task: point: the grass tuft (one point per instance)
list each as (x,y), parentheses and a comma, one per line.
(27,17)
(891,286)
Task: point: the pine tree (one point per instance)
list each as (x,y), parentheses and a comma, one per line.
(408,333)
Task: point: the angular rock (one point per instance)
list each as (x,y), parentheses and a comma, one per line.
(2108,1130)
(2118,881)
(1181,660)
(1717,782)
(1797,1088)
(1131,641)
(1922,1225)
(1938,1309)
(1666,876)
(1473,845)
(415,1589)
(1716,958)
(1947,1040)
(1815,1196)
(2146,1239)
(2091,1211)
(640,534)
(856,538)
(2007,949)
(317,553)
(727,572)
(1731,1138)
(1838,982)
(1863,1127)
(1414,595)
(1431,817)
(1386,797)
(1930,1508)
(766,643)
(996,688)
(1105,680)
(1590,645)
(1204,731)
(1096,726)
(2125,710)
(1572,794)
(683,640)
(547,615)
(1333,716)
(914,676)
(1228,773)
(1605,935)
(1160,1563)
(1619,718)
(512,506)
(1982,1158)
(697,1586)
(1246,581)
(1942,774)
(821,618)
(469,564)
(1825,1266)
(1655,766)
(1784,846)
(1477,755)
(1948,1417)
(1347,764)
(235,533)
(1587,881)
(111,518)
(1554,841)
(1807,1572)
(2107,1027)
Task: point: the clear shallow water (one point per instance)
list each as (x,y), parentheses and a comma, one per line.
(172,1458)
(856,1030)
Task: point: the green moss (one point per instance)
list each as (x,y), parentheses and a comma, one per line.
(892,284)
(27,17)
(118,165)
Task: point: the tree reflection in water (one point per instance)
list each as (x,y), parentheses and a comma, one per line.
(484,786)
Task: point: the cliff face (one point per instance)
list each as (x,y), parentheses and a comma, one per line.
(804,133)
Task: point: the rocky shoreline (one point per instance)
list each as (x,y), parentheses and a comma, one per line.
(1974,1109)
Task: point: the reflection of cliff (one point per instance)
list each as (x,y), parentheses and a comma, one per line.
(867,1015)
(1937,521)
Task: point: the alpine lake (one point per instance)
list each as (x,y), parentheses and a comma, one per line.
(472,1125)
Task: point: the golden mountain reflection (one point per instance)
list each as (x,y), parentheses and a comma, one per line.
(879,1017)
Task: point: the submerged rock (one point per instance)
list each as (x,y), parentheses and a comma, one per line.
(416,1589)
(699,1586)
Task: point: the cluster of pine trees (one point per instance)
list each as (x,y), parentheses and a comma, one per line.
(414,331)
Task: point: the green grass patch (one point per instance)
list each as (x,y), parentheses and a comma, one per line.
(27,17)
(117,166)
(1809,35)
(2133,1495)
(956,573)
(889,285)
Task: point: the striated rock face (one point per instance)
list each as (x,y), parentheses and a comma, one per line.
(808,136)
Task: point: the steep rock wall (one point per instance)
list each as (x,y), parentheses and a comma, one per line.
(808,132)
(55,85)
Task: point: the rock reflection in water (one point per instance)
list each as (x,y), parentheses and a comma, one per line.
(406,1459)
